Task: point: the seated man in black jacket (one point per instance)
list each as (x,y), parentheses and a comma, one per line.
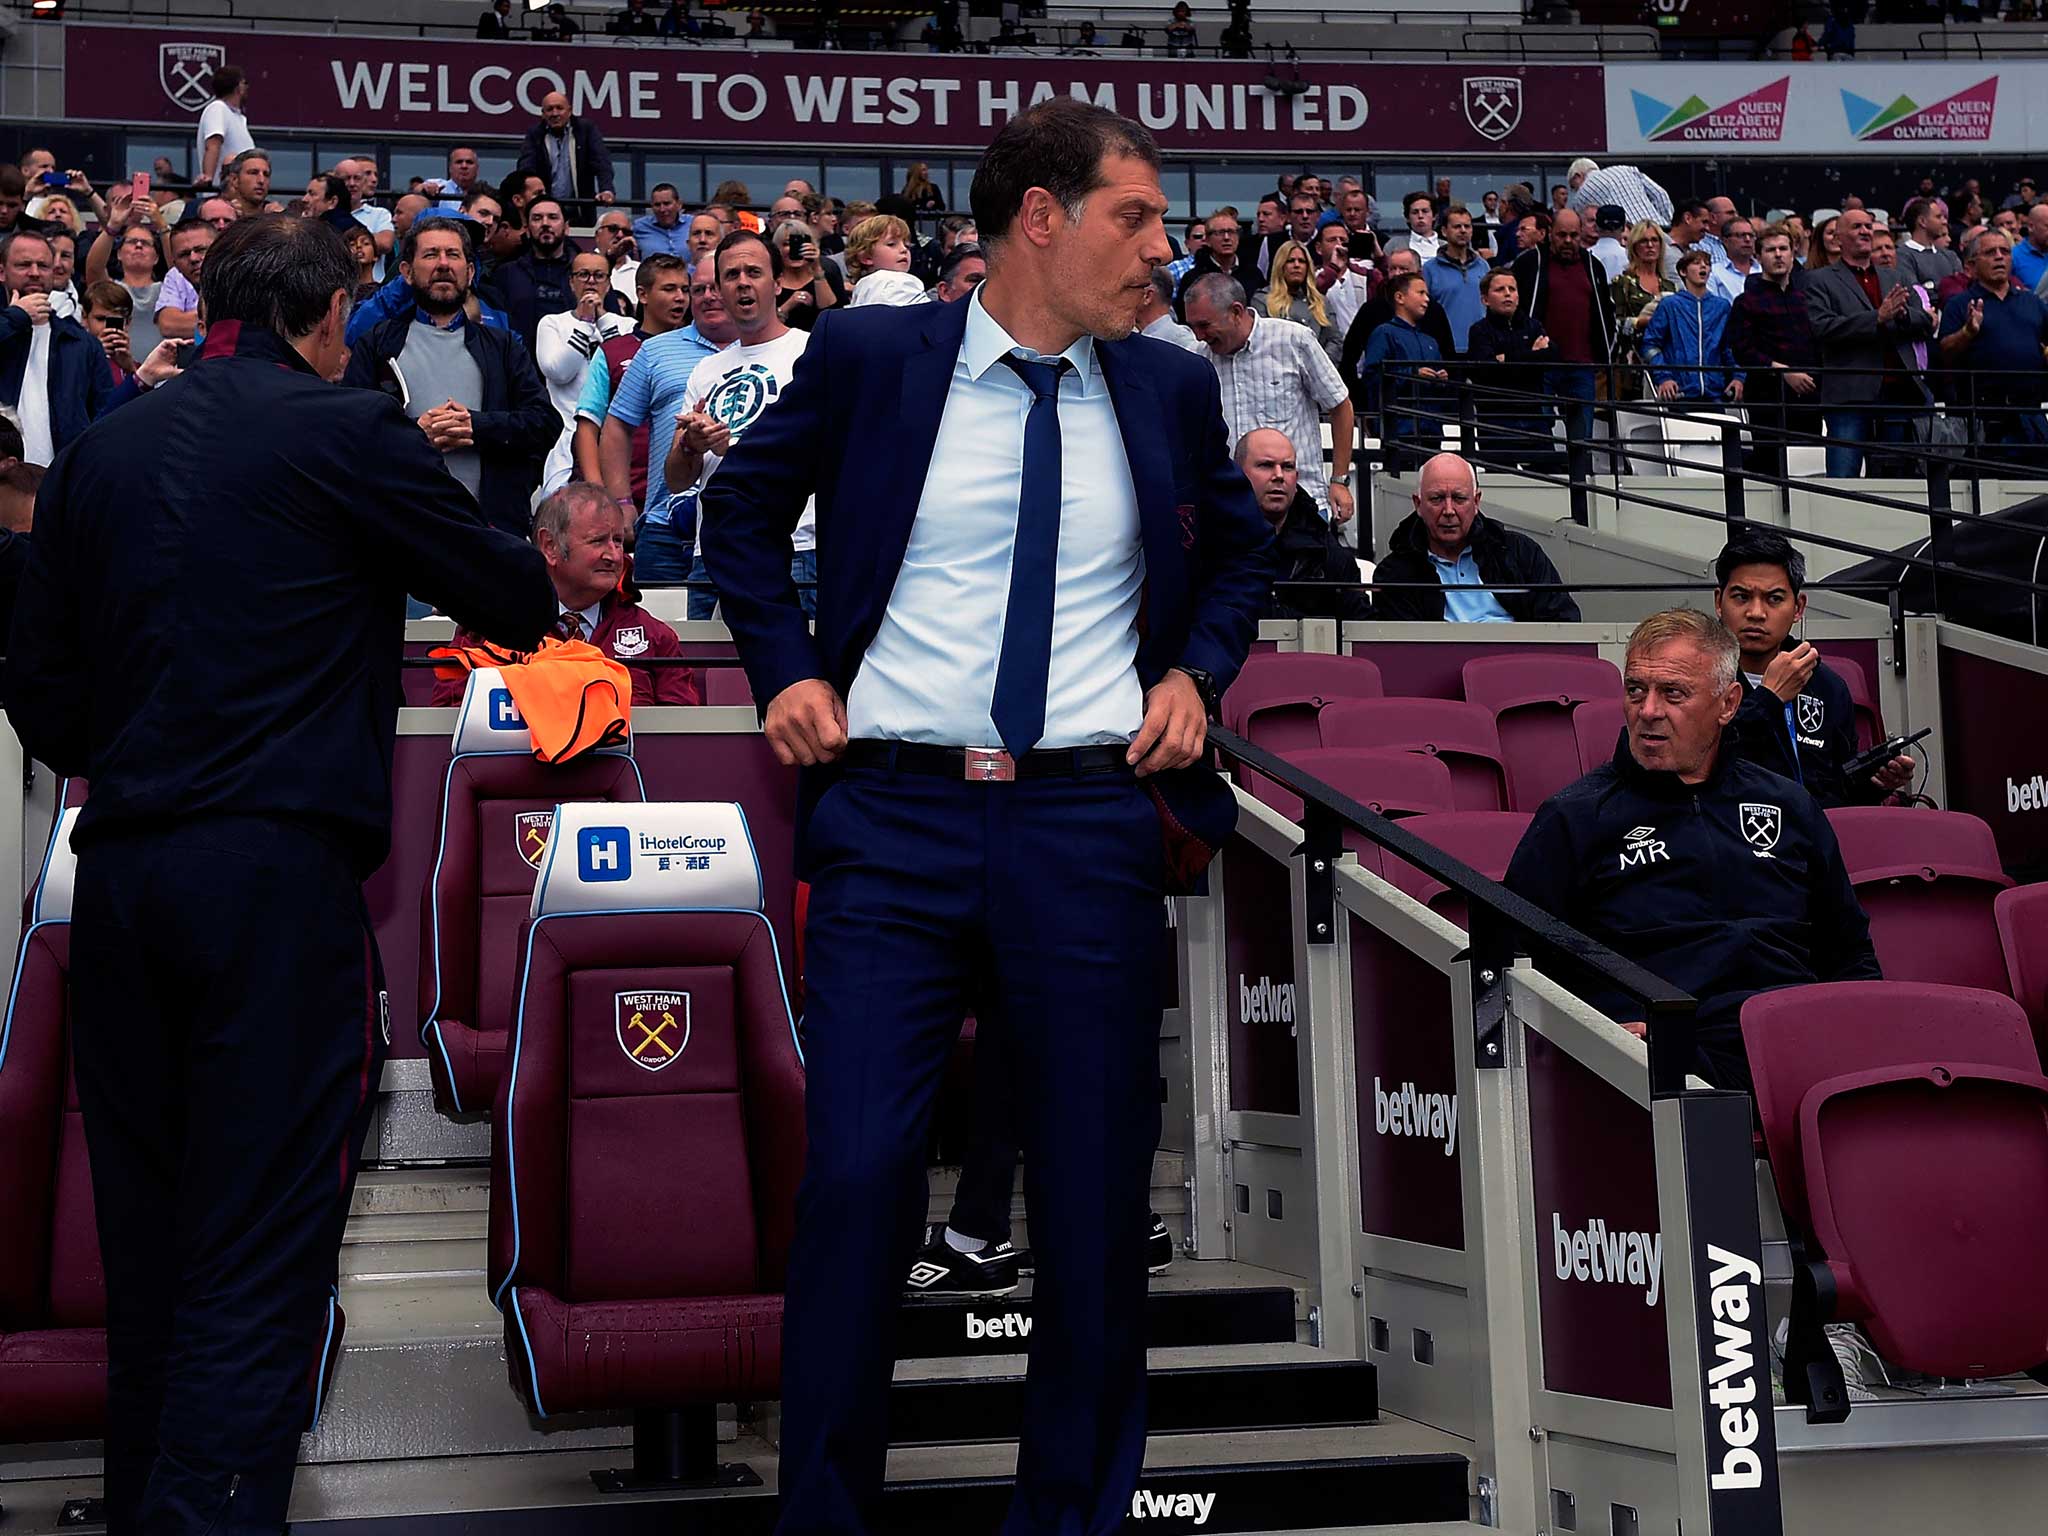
(1797,718)
(1304,540)
(1445,552)
(1687,858)
(473,389)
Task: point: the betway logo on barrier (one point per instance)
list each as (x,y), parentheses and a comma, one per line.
(1595,1254)
(1265,1001)
(2030,796)
(1011,1325)
(1403,1111)
(1147,1505)
(1736,1299)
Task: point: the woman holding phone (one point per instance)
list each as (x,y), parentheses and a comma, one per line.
(808,285)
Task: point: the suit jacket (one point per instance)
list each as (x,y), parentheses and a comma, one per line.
(1845,325)
(1208,550)
(593,159)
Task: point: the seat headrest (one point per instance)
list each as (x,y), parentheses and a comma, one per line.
(60,872)
(488,720)
(672,856)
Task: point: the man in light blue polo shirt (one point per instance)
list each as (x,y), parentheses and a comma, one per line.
(652,391)
(1440,555)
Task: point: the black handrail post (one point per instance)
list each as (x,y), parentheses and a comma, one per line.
(1733,489)
(1578,469)
(1895,608)
(1940,527)
(1669,1032)
(1468,419)
(1322,845)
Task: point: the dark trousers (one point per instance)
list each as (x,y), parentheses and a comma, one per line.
(1574,385)
(1039,903)
(227,1036)
(988,1170)
(1777,417)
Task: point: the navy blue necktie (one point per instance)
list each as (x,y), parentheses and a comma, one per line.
(1018,708)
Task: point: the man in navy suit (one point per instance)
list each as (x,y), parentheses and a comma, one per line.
(1037,565)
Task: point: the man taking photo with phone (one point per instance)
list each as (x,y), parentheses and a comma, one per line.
(1797,716)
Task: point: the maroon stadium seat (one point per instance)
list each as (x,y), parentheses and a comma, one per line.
(727,685)
(1927,879)
(1486,840)
(1531,698)
(650,1126)
(53,1301)
(1463,735)
(1598,726)
(1391,782)
(1869,724)
(497,804)
(1908,1139)
(2022,914)
(1277,697)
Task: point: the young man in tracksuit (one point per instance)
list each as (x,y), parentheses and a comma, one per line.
(1797,718)
(1686,857)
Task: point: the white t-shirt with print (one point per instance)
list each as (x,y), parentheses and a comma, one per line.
(736,385)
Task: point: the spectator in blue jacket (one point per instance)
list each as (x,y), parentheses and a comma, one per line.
(1686,341)
(1399,366)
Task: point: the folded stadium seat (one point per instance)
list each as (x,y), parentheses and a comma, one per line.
(727,685)
(2022,915)
(1869,723)
(1463,735)
(497,805)
(1531,698)
(1597,725)
(1276,698)
(53,1302)
(1390,782)
(650,1135)
(1486,840)
(1928,881)
(1907,1125)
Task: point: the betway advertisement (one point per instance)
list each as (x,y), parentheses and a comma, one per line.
(659,92)
(1843,109)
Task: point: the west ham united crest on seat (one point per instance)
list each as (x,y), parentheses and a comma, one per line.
(653,1027)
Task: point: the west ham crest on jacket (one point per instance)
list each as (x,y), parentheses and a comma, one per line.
(530,830)
(653,1027)
(1810,712)
(630,641)
(1761,825)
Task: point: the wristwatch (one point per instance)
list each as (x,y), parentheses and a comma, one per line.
(1205,685)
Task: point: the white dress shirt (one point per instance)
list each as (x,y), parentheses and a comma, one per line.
(1345,298)
(1166,328)
(1282,378)
(33,405)
(930,673)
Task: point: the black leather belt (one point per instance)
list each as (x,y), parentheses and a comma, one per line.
(985,765)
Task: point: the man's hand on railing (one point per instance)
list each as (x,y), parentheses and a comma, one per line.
(1800,383)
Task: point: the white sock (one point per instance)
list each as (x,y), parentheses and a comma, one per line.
(961,1244)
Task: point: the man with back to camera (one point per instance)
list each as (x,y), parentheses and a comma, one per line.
(226,993)
(988,781)
(1447,541)
(1690,859)
(1797,716)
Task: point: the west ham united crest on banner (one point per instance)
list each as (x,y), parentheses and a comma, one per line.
(1493,105)
(185,71)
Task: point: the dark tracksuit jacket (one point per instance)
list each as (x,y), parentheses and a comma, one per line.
(1502,555)
(1725,888)
(1823,722)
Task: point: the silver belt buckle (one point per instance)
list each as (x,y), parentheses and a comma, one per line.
(989,765)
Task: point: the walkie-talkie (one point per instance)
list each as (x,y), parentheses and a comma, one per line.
(1864,764)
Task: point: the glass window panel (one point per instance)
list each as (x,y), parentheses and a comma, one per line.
(1391,183)
(686,176)
(291,167)
(764,178)
(144,148)
(1241,186)
(853,180)
(408,161)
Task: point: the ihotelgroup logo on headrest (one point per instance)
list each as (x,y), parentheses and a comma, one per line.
(603,854)
(687,849)
(504,714)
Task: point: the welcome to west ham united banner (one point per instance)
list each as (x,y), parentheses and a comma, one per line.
(387,85)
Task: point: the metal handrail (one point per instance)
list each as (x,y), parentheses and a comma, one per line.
(1501,923)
